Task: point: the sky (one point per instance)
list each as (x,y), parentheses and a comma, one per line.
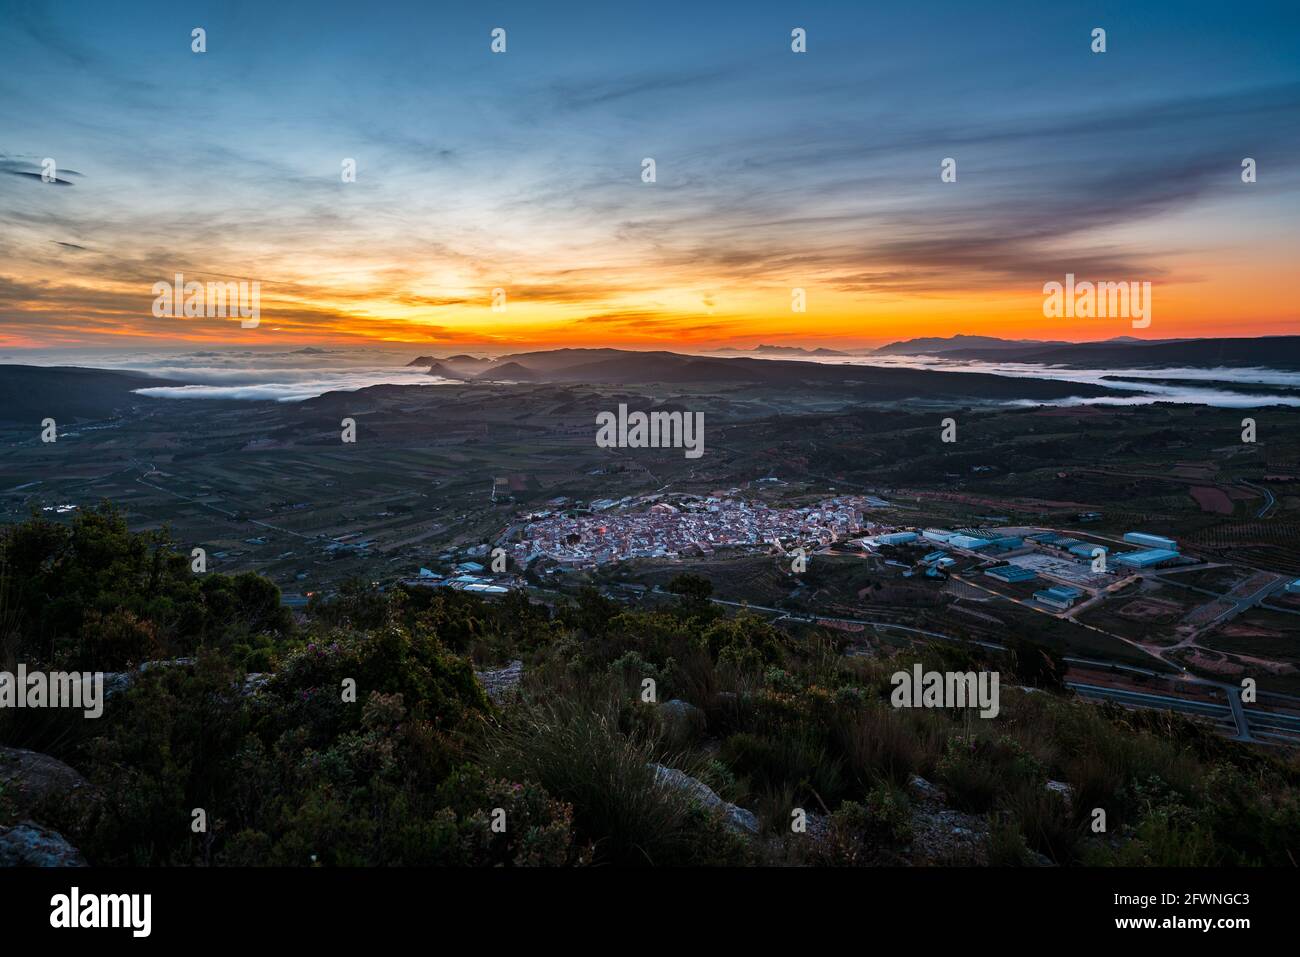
(522,171)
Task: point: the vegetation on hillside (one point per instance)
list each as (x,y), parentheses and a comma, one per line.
(418,767)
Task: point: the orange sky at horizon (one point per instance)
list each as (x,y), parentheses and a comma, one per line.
(1235,302)
(831,321)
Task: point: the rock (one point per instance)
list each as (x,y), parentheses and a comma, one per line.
(819,826)
(678,707)
(255,682)
(116,682)
(27,844)
(941,835)
(682,721)
(923,791)
(29,779)
(168,663)
(947,837)
(736,817)
(1063,789)
(500,683)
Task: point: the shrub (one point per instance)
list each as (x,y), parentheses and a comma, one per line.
(531,828)
(581,758)
(871,832)
(1007,846)
(1043,819)
(880,742)
(795,757)
(976,771)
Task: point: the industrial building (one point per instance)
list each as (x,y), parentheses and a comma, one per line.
(1063,543)
(1006,543)
(1293,588)
(968,542)
(1147,558)
(1060,597)
(1011,574)
(1085,549)
(1151,541)
(897,538)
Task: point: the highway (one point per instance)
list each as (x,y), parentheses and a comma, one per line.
(1230,712)
(1247,724)
(1269,498)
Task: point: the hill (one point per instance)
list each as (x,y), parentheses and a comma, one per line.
(941,345)
(440,369)
(29,394)
(509,372)
(619,367)
(1273,352)
(757,723)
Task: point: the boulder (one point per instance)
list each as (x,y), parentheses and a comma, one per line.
(27,844)
(941,835)
(501,682)
(947,837)
(736,817)
(117,682)
(923,792)
(1064,790)
(256,681)
(682,721)
(30,779)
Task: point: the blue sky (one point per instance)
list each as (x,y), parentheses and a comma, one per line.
(522,170)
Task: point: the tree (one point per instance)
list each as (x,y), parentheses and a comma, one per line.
(691,586)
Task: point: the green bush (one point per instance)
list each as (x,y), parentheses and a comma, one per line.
(874,831)
(581,758)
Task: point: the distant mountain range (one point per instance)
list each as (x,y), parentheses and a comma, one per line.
(1278,352)
(622,367)
(68,394)
(787,351)
(1274,352)
(934,346)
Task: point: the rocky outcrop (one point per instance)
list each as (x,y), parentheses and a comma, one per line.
(256,681)
(1064,790)
(923,792)
(941,835)
(116,682)
(27,844)
(501,683)
(736,817)
(682,721)
(30,779)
